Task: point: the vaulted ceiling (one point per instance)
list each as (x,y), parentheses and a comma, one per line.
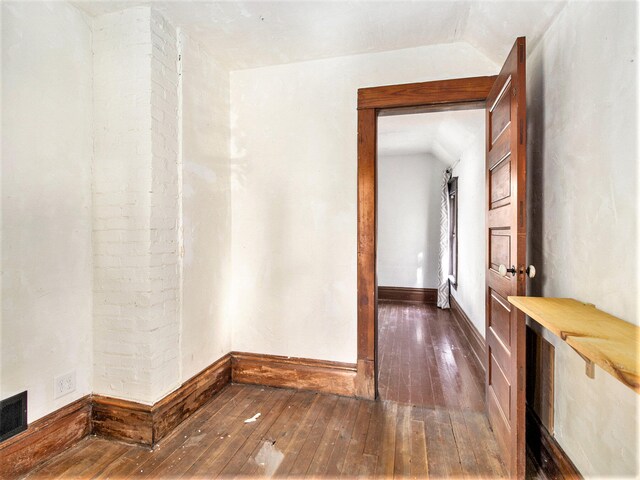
(253,34)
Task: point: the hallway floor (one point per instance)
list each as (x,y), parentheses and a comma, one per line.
(424,359)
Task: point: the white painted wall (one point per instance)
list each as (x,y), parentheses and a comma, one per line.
(293,153)
(46,204)
(583,167)
(206,209)
(409,219)
(113,197)
(136,207)
(470,170)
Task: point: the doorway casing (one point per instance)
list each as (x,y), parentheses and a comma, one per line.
(441,95)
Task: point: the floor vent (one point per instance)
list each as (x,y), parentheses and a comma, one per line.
(13,415)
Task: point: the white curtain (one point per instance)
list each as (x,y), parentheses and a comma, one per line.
(443,261)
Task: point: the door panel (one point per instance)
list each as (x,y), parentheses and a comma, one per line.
(500,185)
(506,245)
(501,388)
(500,111)
(500,318)
(500,248)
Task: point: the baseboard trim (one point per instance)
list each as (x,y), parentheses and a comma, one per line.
(290,372)
(406,294)
(147,424)
(471,333)
(122,419)
(193,394)
(545,451)
(45,438)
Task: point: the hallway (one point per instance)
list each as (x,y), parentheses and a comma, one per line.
(425,360)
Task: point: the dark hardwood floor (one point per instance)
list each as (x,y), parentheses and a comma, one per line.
(429,423)
(297,434)
(424,359)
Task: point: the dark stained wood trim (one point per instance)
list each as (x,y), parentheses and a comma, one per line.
(506,112)
(290,372)
(470,332)
(426,96)
(122,420)
(541,377)
(193,394)
(45,438)
(406,294)
(545,451)
(367,301)
(441,92)
(147,424)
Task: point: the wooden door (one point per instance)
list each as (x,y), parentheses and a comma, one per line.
(506,245)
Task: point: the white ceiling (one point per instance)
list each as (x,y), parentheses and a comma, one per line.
(259,33)
(442,134)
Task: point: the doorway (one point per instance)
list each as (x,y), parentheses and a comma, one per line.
(430,191)
(503,98)
(444,95)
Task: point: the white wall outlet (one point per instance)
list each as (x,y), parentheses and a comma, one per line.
(64,384)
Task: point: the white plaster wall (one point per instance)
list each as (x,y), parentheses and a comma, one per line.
(583,163)
(470,170)
(206,209)
(409,220)
(293,154)
(46,204)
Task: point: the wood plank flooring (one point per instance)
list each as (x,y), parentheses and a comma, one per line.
(424,359)
(298,434)
(428,424)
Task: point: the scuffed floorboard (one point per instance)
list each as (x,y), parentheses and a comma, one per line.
(430,422)
(297,434)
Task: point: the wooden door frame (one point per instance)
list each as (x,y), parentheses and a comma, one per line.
(455,94)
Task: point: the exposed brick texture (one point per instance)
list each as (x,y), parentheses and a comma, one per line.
(135,206)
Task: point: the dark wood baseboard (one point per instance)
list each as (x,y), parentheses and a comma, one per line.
(147,424)
(406,294)
(549,457)
(122,420)
(45,438)
(193,394)
(290,372)
(470,332)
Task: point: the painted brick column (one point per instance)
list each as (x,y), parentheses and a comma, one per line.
(135,206)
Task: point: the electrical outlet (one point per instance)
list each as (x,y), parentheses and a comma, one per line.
(64,384)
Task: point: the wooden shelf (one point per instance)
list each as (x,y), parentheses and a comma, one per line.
(605,340)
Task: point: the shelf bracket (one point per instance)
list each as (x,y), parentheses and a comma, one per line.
(589,366)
